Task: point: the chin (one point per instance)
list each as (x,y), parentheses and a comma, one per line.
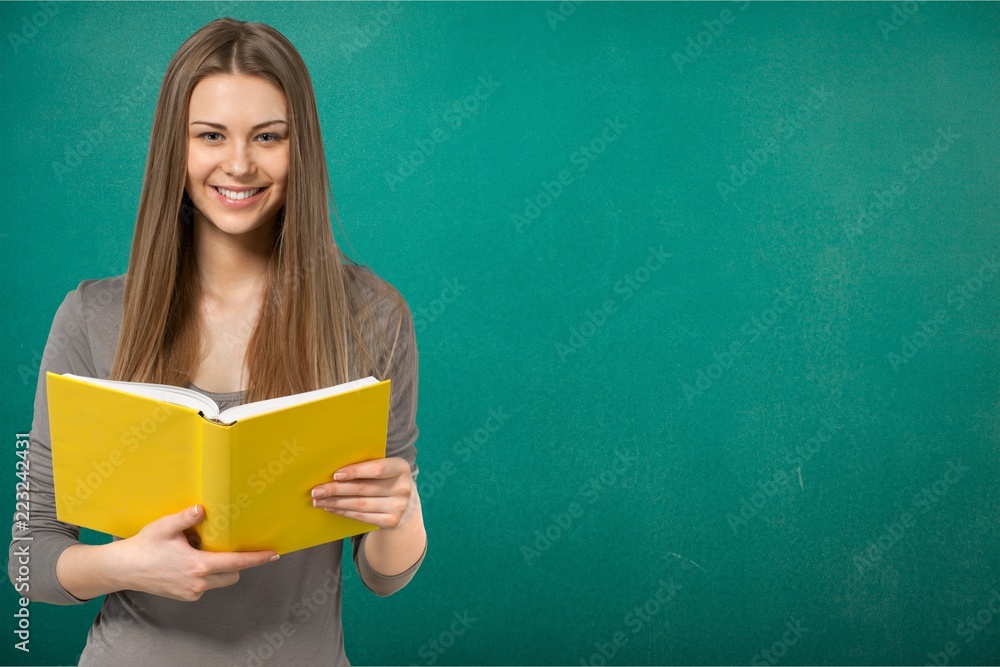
(238,227)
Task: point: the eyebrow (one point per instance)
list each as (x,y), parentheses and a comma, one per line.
(258,126)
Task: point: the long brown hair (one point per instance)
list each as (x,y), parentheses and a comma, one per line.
(320,323)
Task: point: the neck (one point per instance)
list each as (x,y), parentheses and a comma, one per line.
(232,268)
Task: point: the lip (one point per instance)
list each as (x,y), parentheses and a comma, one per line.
(238,188)
(243,203)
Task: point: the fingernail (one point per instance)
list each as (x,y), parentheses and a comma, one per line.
(274,558)
(319,503)
(339,476)
(194,511)
(318,493)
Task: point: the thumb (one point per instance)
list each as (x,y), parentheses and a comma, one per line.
(190,516)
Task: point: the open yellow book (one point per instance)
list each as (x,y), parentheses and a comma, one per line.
(127,453)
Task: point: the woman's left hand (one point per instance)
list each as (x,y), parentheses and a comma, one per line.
(380,492)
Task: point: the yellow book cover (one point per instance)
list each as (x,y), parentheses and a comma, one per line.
(125,454)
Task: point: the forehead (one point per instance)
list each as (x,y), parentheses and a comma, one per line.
(236,96)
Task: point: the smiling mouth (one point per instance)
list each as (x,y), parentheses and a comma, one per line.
(238,195)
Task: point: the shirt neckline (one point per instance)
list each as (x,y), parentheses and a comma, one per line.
(217,394)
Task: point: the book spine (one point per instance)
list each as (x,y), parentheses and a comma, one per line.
(215,530)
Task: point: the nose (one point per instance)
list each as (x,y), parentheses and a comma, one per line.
(239,161)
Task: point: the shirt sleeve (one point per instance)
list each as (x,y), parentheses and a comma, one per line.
(36,545)
(402,434)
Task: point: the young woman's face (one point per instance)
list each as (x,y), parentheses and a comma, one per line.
(238,153)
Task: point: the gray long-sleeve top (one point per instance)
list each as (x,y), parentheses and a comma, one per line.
(285,613)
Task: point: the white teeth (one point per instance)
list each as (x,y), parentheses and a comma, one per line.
(237,196)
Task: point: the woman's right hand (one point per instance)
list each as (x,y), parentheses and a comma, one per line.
(160,560)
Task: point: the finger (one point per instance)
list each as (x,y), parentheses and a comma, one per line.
(186,518)
(380,519)
(234,561)
(374,469)
(360,487)
(221,579)
(362,504)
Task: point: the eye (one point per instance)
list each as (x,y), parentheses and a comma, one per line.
(270,137)
(214,136)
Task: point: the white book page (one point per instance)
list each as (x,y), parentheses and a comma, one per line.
(272,404)
(164,392)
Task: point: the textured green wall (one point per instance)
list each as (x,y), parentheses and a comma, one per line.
(706,297)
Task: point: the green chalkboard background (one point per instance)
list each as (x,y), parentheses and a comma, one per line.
(706,297)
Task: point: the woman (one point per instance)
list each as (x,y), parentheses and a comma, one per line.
(236,288)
